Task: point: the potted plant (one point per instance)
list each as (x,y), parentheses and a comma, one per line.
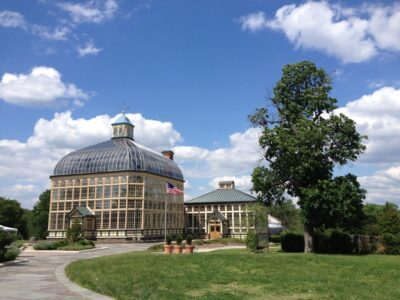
(189,247)
(168,245)
(178,246)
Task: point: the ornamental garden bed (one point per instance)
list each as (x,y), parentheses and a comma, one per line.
(64,245)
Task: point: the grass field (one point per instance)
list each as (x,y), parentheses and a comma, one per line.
(236,274)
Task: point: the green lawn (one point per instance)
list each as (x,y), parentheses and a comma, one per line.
(236,274)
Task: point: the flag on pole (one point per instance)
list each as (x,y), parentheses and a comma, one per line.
(171,189)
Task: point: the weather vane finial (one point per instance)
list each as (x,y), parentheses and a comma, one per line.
(124,108)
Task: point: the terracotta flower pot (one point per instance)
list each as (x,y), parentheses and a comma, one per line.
(168,249)
(189,249)
(178,249)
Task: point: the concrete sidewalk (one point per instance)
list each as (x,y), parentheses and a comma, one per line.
(42,277)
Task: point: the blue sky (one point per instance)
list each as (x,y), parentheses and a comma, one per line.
(189,72)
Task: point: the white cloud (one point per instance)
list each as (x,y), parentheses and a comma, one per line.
(12,19)
(42,86)
(93,11)
(378,116)
(89,49)
(383,186)
(351,35)
(25,175)
(384,25)
(254,22)
(56,34)
(240,157)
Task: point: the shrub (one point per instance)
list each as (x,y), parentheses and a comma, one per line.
(18,244)
(85,243)
(11,253)
(189,239)
(251,240)
(179,240)
(391,243)
(322,243)
(168,239)
(45,246)
(74,232)
(275,238)
(363,244)
(341,243)
(292,242)
(62,243)
(5,239)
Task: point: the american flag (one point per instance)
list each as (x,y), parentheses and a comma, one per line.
(171,189)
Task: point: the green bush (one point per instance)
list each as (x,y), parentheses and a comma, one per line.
(5,239)
(62,243)
(179,240)
(364,244)
(74,232)
(45,246)
(292,242)
(189,239)
(322,243)
(11,253)
(168,239)
(85,243)
(391,243)
(19,244)
(275,238)
(251,240)
(341,243)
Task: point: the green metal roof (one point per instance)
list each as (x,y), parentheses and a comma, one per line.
(222,196)
(82,210)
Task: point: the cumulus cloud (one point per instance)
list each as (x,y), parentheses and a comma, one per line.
(351,35)
(240,157)
(25,175)
(384,26)
(378,116)
(383,186)
(88,49)
(12,19)
(254,22)
(42,86)
(93,11)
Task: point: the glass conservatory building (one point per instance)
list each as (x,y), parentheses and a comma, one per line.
(117,189)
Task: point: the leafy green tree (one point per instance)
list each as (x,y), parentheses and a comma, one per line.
(389,219)
(40,215)
(287,213)
(303,140)
(380,219)
(12,215)
(370,222)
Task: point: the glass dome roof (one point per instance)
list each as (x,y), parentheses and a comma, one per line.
(118,154)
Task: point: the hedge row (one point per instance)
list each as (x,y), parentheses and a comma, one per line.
(62,245)
(343,243)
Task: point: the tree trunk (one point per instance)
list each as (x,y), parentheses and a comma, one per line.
(308,239)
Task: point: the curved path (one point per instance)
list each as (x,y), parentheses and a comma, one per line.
(42,277)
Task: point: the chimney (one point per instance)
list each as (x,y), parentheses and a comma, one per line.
(169,154)
(227,185)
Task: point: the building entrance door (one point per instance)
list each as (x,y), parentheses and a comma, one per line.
(215,231)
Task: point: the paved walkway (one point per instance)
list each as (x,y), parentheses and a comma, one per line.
(42,277)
